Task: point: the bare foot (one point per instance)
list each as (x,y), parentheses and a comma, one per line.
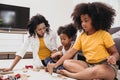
(63,72)
(68,74)
(1,76)
(50,67)
(61,76)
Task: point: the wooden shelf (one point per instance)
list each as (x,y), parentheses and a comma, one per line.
(13,31)
(11,55)
(13,52)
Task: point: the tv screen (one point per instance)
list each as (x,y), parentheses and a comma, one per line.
(13,17)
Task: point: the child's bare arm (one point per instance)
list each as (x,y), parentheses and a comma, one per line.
(114,55)
(58,53)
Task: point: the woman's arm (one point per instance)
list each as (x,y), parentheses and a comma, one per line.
(19,54)
(16,60)
(53,41)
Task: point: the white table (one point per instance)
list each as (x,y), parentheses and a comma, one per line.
(41,75)
(33,75)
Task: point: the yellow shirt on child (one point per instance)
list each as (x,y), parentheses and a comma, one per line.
(94,47)
(44,52)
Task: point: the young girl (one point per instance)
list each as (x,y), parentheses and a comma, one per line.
(95,42)
(67,36)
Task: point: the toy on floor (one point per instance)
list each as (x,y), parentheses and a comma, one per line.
(12,77)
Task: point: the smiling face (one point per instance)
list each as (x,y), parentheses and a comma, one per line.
(65,40)
(41,29)
(86,22)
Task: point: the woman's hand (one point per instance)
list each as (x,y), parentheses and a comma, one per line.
(50,67)
(1,69)
(6,69)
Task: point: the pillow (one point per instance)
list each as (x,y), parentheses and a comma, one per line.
(116,34)
(117,44)
(114,29)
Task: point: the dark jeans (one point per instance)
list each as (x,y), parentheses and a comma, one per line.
(43,62)
(49,59)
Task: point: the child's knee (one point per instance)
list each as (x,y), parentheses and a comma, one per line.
(67,63)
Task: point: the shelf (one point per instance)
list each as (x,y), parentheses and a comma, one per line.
(11,55)
(13,31)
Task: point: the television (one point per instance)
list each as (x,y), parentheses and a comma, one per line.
(13,17)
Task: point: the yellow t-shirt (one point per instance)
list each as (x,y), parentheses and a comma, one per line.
(94,47)
(44,52)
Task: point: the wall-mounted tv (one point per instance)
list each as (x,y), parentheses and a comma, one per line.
(13,17)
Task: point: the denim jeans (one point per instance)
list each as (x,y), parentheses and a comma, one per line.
(49,59)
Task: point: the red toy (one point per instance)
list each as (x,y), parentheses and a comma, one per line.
(17,76)
(29,67)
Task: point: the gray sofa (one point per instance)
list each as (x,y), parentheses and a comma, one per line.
(115,32)
(117,38)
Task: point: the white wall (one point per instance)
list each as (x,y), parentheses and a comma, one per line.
(114,3)
(57,12)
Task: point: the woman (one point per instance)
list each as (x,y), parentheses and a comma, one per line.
(41,39)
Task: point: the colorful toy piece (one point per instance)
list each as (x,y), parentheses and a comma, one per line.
(29,67)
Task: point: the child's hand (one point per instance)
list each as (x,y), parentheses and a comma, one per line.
(111,60)
(56,54)
(50,67)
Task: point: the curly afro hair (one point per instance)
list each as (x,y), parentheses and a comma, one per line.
(34,21)
(68,29)
(102,15)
